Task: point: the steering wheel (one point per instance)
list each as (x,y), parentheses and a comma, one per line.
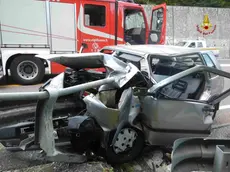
(128,32)
(155,31)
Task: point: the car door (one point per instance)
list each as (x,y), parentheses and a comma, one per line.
(94,25)
(180,115)
(158,25)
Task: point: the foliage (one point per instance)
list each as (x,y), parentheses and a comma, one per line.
(200,3)
(127,167)
(108,170)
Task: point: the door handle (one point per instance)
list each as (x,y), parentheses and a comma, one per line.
(83,46)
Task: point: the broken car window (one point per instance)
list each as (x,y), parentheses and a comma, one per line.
(209,63)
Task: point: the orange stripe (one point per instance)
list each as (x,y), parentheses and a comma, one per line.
(15,85)
(209,49)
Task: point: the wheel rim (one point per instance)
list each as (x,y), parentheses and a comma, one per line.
(125,140)
(27,70)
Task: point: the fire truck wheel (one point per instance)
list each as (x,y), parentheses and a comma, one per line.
(27,70)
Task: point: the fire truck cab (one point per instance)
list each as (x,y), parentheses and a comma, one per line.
(31,27)
(118,22)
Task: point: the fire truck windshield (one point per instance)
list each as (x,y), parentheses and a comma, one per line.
(135,32)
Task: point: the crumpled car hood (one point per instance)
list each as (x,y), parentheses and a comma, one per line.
(122,71)
(86,60)
(76,61)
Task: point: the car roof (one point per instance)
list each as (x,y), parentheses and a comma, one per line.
(161,50)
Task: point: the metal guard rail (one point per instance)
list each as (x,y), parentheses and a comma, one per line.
(43,134)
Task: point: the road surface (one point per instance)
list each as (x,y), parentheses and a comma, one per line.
(225,64)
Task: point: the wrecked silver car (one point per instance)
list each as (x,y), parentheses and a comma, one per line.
(162,112)
(128,110)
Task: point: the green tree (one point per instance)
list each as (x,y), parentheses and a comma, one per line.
(199,3)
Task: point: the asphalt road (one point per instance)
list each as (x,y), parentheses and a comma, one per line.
(225,64)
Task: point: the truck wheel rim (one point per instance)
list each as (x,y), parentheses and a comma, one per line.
(27,70)
(125,140)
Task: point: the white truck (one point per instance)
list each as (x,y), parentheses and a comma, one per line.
(31,27)
(198,44)
(25,29)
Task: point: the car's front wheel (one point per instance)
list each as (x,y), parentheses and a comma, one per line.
(128,146)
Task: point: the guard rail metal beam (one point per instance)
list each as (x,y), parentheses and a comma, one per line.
(43,135)
(45,95)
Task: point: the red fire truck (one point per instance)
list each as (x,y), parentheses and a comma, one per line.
(31,27)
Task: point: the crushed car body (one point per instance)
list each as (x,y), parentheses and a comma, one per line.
(135,103)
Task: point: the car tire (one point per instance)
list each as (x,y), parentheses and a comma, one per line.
(113,158)
(27,70)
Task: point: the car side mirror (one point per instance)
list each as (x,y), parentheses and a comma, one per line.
(140,91)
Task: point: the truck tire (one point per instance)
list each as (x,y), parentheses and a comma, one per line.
(27,70)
